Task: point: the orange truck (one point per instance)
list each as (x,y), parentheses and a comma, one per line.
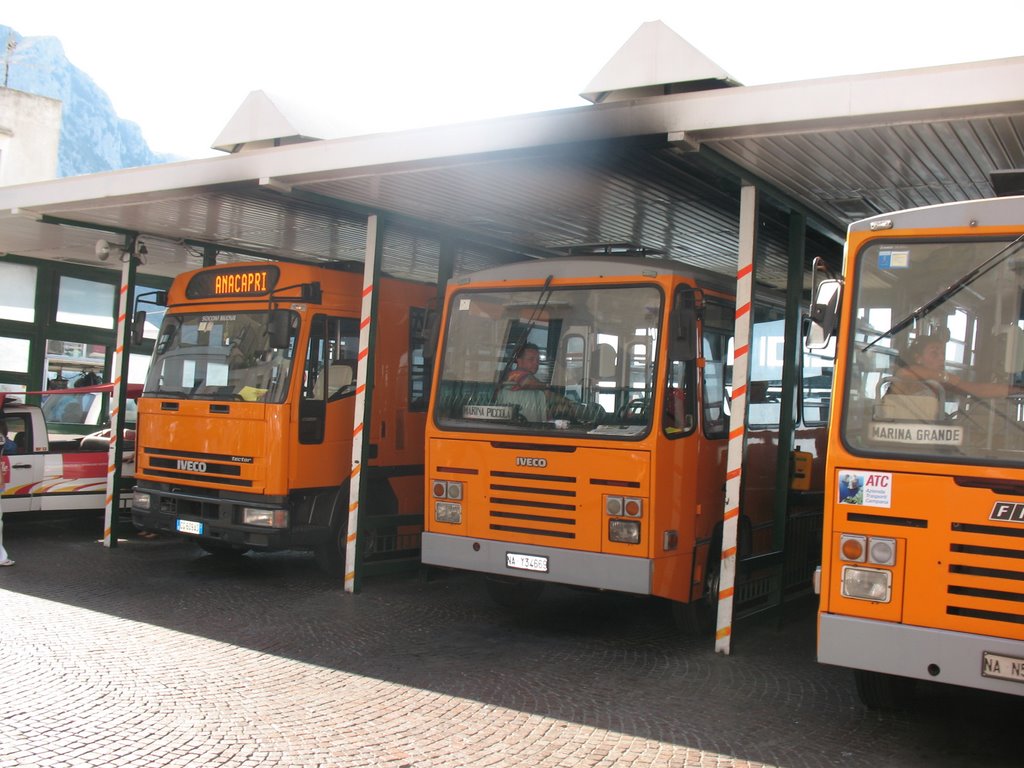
(922,572)
(604,467)
(246,419)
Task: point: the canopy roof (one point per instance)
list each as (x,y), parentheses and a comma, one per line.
(659,173)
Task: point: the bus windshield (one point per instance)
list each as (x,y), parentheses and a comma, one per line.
(936,374)
(220,356)
(574,360)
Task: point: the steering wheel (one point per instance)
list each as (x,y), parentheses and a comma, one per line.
(634,410)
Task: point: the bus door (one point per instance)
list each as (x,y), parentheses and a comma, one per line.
(326,406)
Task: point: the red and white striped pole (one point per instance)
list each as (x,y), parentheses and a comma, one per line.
(737,417)
(359,425)
(118,371)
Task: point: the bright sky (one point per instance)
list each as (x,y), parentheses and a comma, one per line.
(181,69)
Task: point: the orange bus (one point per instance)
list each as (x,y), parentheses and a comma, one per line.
(246,419)
(609,471)
(922,574)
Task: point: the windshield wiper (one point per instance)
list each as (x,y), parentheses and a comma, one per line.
(948,291)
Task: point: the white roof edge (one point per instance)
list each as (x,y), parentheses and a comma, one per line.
(990,212)
(950,91)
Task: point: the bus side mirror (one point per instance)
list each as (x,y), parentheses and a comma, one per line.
(313,293)
(279,330)
(824,314)
(138,326)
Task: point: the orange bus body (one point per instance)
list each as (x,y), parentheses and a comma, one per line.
(246,445)
(616,480)
(922,573)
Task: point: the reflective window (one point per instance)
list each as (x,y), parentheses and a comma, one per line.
(18,300)
(937,358)
(14,354)
(579,360)
(86,302)
(719,320)
(221,356)
(73,363)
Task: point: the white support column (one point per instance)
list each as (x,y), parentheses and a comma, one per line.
(362,415)
(737,417)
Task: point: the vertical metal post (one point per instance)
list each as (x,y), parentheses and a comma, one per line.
(790,378)
(119,369)
(738,415)
(364,401)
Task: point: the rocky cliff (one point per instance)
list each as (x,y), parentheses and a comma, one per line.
(93,138)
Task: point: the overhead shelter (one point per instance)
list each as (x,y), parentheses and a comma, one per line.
(660,172)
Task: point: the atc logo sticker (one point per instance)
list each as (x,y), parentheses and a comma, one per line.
(865,489)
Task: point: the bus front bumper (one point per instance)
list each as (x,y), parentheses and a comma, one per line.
(551,564)
(944,656)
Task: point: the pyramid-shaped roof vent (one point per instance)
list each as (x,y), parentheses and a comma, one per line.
(271,121)
(653,62)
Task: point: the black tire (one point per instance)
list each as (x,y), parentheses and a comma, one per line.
(878,690)
(221,550)
(516,594)
(699,617)
(330,555)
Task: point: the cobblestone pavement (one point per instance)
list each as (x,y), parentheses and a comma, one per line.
(155,654)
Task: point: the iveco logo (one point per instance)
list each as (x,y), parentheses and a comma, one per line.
(187,465)
(1008,512)
(529,461)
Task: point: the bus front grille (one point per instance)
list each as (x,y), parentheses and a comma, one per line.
(986,573)
(533,504)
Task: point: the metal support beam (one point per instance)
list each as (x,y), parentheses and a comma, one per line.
(790,377)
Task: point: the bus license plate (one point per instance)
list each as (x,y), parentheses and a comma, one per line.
(190,526)
(526,562)
(1003,667)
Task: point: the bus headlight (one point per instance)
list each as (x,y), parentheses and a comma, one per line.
(867,584)
(624,531)
(140,500)
(268,518)
(448,512)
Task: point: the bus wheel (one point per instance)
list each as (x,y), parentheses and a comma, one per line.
(517,594)
(224,551)
(698,617)
(331,554)
(878,690)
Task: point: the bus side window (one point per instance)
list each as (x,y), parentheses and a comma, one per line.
(717,345)
(680,404)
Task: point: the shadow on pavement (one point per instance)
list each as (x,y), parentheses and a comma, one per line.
(607,661)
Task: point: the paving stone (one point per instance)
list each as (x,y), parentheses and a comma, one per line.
(156,654)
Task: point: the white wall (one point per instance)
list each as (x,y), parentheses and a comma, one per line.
(29,137)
